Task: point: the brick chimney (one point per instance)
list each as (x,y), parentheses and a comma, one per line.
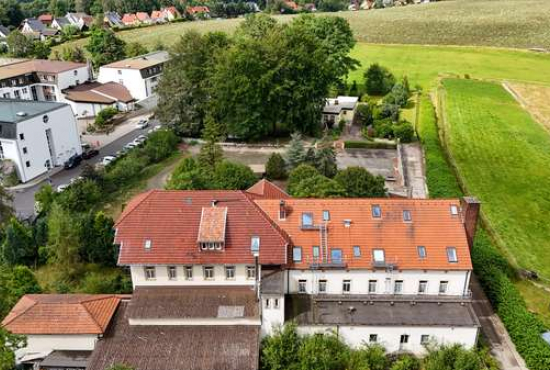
(470,215)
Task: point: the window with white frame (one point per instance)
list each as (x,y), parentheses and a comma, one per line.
(172,273)
(378,255)
(251,272)
(398,287)
(208,272)
(267,303)
(443,286)
(404,339)
(230,272)
(422,286)
(276,303)
(147,244)
(322,286)
(188,272)
(302,285)
(346,286)
(150,273)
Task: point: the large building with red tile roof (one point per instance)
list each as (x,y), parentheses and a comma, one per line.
(407,258)
(58,325)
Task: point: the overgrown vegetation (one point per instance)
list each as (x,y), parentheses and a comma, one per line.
(286,350)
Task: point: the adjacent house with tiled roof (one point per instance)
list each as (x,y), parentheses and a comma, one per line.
(90,98)
(267,190)
(60,327)
(80,20)
(158,16)
(171,13)
(143,17)
(40,79)
(112,19)
(60,23)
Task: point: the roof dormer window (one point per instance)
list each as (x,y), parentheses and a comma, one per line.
(376,211)
(212,228)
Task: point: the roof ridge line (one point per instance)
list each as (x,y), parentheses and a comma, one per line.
(145,197)
(34,303)
(266,217)
(83,304)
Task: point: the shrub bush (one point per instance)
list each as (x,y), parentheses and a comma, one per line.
(275,167)
(378,80)
(104,116)
(369,145)
(298,174)
(403,131)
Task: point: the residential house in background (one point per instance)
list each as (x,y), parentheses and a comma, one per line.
(46,19)
(39,79)
(90,98)
(80,20)
(130,19)
(158,16)
(140,75)
(143,17)
(60,22)
(4,32)
(171,13)
(37,136)
(112,19)
(198,12)
(61,329)
(339,109)
(36,29)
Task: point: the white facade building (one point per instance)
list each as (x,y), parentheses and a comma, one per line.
(40,80)
(140,75)
(37,136)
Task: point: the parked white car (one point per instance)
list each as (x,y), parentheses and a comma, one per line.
(62,187)
(143,123)
(107,159)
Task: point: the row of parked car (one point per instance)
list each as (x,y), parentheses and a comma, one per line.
(89,153)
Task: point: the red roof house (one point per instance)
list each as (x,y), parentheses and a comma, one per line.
(47,19)
(143,17)
(129,19)
(197,10)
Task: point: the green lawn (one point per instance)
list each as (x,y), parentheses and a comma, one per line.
(503,158)
(423,64)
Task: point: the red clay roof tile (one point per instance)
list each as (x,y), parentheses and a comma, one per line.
(267,190)
(61,314)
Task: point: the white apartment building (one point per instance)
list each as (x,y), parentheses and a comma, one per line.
(140,75)
(37,135)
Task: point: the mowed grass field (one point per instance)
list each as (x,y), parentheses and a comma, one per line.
(502,156)
(501,23)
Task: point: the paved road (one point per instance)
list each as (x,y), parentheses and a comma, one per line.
(23,200)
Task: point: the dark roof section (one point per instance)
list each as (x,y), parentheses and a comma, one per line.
(66,359)
(177,347)
(380,310)
(13,111)
(191,302)
(272,282)
(4,30)
(170,221)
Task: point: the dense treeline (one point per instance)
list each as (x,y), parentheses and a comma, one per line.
(266,79)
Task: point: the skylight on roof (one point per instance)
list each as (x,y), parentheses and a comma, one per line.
(378,255)
(255,243)
(376,211)
(421,251)
(454,210)
(407,216)
(148,244)
(307,219)
(451,254)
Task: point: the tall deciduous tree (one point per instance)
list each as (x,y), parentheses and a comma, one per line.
(9,343)
(14,283)
(63,239)
(18,246)
(135,49)
(211,153)
(6,208)
(97,239)
(183,87)
(233,176)
(19,45)
(11,13)
(378,80)
(105,47)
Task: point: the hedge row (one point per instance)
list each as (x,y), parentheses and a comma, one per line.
(492,269)
(369,145)
(524,328)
